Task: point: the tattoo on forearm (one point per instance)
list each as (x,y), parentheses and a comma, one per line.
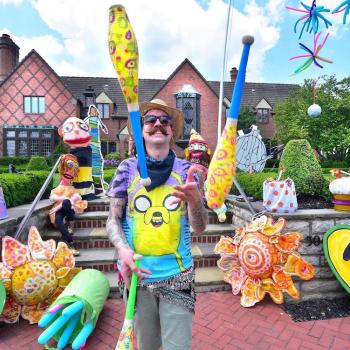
(198,217)
(114,227)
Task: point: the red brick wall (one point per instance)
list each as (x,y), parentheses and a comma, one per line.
(267,130)
(35,78)
(208,101)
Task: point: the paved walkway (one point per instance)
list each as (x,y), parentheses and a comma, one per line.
(220,323)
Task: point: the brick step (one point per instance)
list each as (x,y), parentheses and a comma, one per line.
(101,204)
(103,259)
(207,279)
(86,238)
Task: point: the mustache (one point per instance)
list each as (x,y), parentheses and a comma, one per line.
(156,129)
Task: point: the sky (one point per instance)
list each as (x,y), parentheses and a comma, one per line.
(72,36)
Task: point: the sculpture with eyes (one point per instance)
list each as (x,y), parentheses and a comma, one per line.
(76,133)
(158,231)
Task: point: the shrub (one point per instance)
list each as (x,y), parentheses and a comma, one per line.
(334,164)
(37,163)
(113,155)
(60,149)
(23,188)
(302,167)
(252,184)
(6,161)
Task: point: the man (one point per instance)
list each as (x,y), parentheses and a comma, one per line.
(154,222)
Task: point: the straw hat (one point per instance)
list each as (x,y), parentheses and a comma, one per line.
(176,114)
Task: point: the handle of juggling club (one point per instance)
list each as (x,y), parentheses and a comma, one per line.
(247,41)
(130,307)
(135,122)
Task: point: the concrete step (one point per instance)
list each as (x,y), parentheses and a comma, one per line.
(103,259)
(207,279)
(97,237)
(101,204)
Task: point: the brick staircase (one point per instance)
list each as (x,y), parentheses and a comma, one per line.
(97,252)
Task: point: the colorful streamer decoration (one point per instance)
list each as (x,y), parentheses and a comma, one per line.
(312,16)
(344,6)
(124,55)
(222,168)
(95,123)
(312,55)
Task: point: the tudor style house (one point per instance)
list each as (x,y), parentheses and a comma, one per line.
(35,101)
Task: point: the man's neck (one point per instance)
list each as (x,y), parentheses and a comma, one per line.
(157,153)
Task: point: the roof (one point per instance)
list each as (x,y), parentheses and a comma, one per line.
(77,85)
(148,88)
(253,93)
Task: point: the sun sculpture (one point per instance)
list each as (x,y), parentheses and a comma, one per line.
(260,259)
(33,275)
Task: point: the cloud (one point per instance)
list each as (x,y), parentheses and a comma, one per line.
(167,32)
(10,2)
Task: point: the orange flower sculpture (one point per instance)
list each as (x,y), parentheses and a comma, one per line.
(260,259)
(33,275)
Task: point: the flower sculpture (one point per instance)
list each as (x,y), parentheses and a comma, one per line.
(33,275)
(260,260)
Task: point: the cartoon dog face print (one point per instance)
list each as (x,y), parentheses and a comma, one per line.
(156,221)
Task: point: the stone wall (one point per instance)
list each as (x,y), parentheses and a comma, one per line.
(313,224)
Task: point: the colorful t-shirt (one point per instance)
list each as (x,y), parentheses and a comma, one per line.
(155,228)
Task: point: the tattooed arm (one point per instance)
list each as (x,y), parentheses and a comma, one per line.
(117,237)
(114,226)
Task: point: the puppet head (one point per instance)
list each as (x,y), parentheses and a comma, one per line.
(69,168)
(75,132)
(198,151)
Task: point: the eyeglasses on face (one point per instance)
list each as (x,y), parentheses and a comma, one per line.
(164,120)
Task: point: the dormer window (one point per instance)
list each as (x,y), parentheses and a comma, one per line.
(103,109)
(263,115)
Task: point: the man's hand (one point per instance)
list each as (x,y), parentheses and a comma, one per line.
(188,193)
(126,256)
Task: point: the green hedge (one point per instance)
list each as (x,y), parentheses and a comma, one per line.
(13,160)
(22,188)
(252,184)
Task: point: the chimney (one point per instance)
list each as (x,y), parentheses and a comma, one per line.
(233,73)
(9,56)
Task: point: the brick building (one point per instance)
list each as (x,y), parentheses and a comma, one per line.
(35,101)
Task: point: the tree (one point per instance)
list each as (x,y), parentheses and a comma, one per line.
(246,119)
(329,133)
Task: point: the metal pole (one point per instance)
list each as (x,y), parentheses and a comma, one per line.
(241,191)
(36,200)
(221,93)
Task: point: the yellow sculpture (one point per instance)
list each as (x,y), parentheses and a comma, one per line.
(33,275)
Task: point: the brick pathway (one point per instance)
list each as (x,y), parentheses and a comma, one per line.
(220,323)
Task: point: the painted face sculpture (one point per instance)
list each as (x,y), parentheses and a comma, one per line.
(33,275)
(75,132)
(69,167)
(198,151)
(260,260)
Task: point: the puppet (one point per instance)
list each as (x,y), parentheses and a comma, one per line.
(259,259)
(33,275)
(76,133)
(67,200)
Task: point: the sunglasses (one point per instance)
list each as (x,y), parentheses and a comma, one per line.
(165,120)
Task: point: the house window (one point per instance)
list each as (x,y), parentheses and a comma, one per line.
(263,115)
(24,141)
(103,108)
(112,147)
(104,147)
(108,147)
(34,104)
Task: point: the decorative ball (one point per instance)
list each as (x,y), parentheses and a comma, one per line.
(314,110)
